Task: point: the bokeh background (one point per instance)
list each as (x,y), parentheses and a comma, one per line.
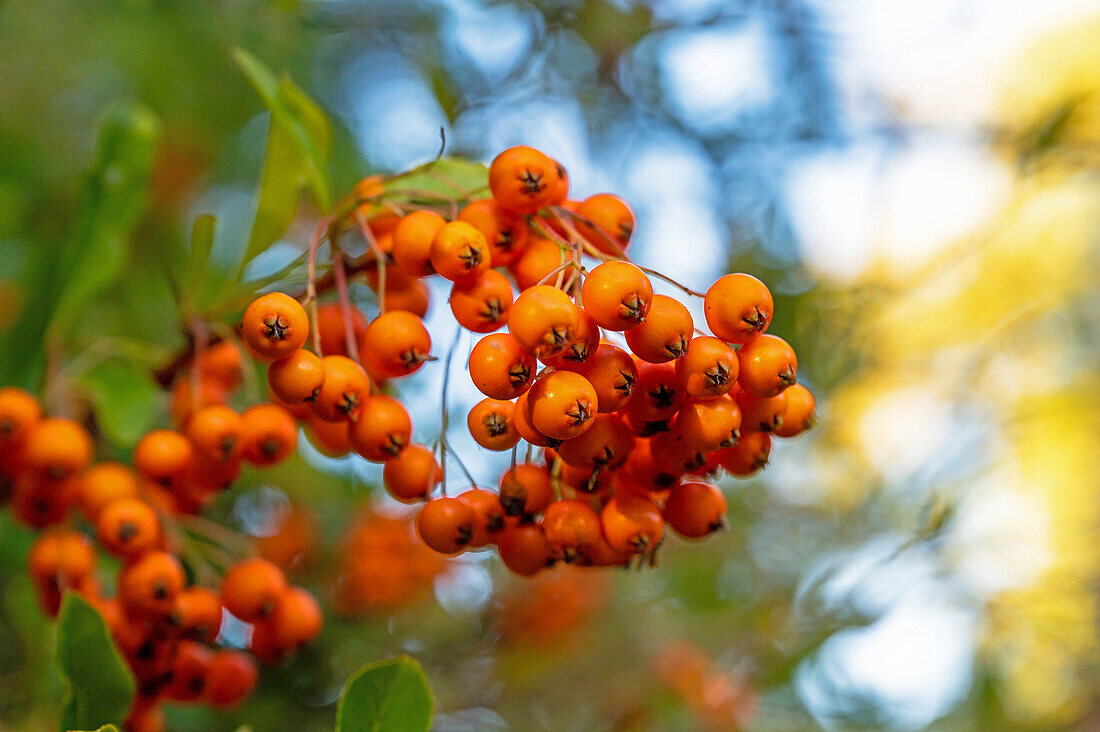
(916,181)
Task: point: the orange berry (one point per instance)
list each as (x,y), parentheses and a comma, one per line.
(188,673)
(489,513)
(38,501)
(61,557)
(523,180)
(748,456)
(543,320)
(799,416)
(215,432)
(526,490)
(269,434)
(198,613)
(230,677)
(761,415)
(710,424)
(709,368)
(19,412)
(57,448)
(612,373)
(184,403)
(163,456)
(632,524)
(382,430)
(459,252)
(490,424)
(575,353)
(331,331)
(767,366)
(675,454)
(613,220)
(297,618)
(412,474)
(149,585)
(222,362)
(414,299)
(521,420)
(331,438)
(643,470)
(396,344)
(102,483)
(570,526)
(541,257)
(695,509)
(505,234)
(657,397)
(252,588)
(127,527)
(274,326)
(524,549)
(738,307)
(446,525)
(146,715)
(665,333)
(482,304)
(606,444)
(562,404)
(617,295)
(500,368)
(412,241)
(344,391)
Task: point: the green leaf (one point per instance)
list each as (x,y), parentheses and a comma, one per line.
(448,176)
(101,688)
(386,696)
(299,141)
(126,399)
(202,243)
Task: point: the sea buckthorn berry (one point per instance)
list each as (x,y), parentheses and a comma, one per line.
(482,304)
(506,234)
(526,490)
(761,415)
(188,673)
(748,456)
(585,341)
(613,219)
(632,524)
(396,344)
(413,299)
(198,613)
(163,456)
(612,373)
(738,308)
(185,403)
(344,391)
(252,588)
(767,366)
(543,320)
(61,557)
(657,397)
(500,368)
(127,527)
(446,525)
(799,416)
(331,330)
(541,257)
(230,677)
(383,429)
(19,411)
(489,512)
(521,419)
(524,549)
(269,434)
(710,424)
(570,526)
(150,584)
(605,445)
(523,180)
(297,618)
(102,483)
(459,252)
(57,448)
(709,368)
(221,362)
(562,404)
(215,433)
(274,326)
(412,474)
(617,295)
(695,509)
(664,334)
(330,438)
(412,241)
(490,423)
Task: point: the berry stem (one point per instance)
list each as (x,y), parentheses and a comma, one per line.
(311,281)
(379,257)
(341,276)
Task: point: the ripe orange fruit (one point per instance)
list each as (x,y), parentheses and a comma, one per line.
(297,618)
(489,512)
(459,252)
(576,352)
(524,549)
(188,672)
(748,456)
(632,524)
(412,241)
(274,326)
(738,308)
(505,234)
(768,365)
(344,391)
(500,368)
(230,677)
(657,397)
(612,373)
(395,344)
(215,432)
(543,320)
(664,334)
(412,474)
(330,438)
(198,613)
(709,368)
(269,434)
(799,416)
(222,362)
(19,411)
(526,490)
(57,448)
(127,527)
(148,586)
(163,456)
(613,219)
(710,424)
(251,589)
(617,295)
(102,483)
(382,430)
(561,404)
(761,415)
(569,527)
(606,444)
(446,525)
(540,257)
(523,180)
(695,509)
(481,305)
(331,330)
(490,424)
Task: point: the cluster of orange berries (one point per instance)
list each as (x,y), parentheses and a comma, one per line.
(629,400)
(166,630)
